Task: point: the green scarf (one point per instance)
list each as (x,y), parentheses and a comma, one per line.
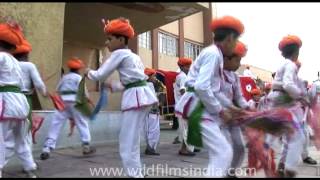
(82,103)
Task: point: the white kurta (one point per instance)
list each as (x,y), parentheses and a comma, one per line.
(179,85)
(152,125)
(286,79)
(205,76)
(230,94)
(70,82)
(30,75)
(14,109)
(136,104)
(12,105)
(183,124)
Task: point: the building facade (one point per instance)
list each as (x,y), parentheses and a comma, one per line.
(58,31)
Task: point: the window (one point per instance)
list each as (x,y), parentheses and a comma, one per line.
(168,44)
(145,40)
(192,50)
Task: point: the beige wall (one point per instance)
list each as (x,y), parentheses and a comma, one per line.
(114,99)
(172,28)
(146,57)
(261,73)
(193,27)
(42,24)
(168,63)
(90,55)
(87,55)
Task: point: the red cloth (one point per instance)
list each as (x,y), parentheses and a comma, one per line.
(149,71)
(11,33)
(24,47)
(227,22)
(119,26)
(184,61)
(170,78)
(75,63)
(247,84)
(240,49)
(57,102)
(260,156)
(36,125)
(290,39)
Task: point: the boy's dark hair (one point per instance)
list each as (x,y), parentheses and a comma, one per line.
(289,50)
(7,45)
(221,33)
(74,70)
(126,39)
(21,57)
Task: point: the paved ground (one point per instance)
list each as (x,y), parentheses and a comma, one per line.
(69,162)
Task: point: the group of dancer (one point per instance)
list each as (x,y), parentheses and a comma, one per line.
(207,93)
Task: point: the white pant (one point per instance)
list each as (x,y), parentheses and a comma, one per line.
(293,147)
(234,136)
(59,120)
(152,130)
(15,139)
(183,133)
(305,152)
(219,149)
(129,140)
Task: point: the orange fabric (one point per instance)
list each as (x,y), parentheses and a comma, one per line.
(240,49)
(227,22)
(24,47)
(255,92)
(149,71)
(75,63)
(11,33)
(119,26)
(290,39)
(184,61)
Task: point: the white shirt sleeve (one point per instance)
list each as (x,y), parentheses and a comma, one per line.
(203,87)
(107,68)
(289,84)
(36,79)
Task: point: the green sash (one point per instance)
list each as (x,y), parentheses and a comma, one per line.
(136,84)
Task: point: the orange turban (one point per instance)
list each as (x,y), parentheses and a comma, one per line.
(11,33)
(75,63)
(255,92)
(240,49)
(149,71)
(184,61)
(25,47)
(227,22)
(290,39)
(119,26)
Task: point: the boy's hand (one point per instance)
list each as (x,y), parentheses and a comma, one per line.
(86,71)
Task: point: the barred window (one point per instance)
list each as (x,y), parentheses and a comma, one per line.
(168,44)
(192,50)
(145,40)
